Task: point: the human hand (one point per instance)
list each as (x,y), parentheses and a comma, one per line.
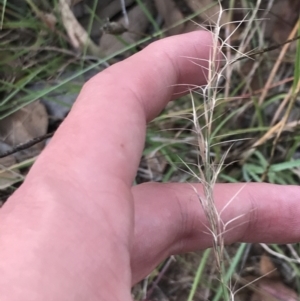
(78,230)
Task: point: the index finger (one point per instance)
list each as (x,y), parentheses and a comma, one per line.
(108,121)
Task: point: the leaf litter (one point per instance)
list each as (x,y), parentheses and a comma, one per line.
(86,42)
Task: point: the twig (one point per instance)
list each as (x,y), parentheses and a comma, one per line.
(26,145)
(277,64)
(267,49)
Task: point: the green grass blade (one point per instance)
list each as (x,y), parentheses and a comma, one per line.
(285,166)
(199,274)
(231,269)
(3,13)
(297,62)
(149,16)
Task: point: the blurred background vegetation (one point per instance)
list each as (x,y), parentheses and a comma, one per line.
(50,48)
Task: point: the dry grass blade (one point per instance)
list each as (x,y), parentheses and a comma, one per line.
(281,126)
(208,172)
(277,64)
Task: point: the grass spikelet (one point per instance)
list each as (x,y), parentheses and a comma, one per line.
(208,170)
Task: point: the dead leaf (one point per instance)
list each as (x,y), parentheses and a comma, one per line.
(267,267)
(7,176)
(111,9)
(50,20)
(171,15)
(270,290)
(24,125)
(210,12)
(106,9)
(74,2)
(281,20)
(110,44)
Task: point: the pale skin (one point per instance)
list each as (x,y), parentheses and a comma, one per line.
(78,230)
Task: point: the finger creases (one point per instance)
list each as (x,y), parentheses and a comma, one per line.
(169,218)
